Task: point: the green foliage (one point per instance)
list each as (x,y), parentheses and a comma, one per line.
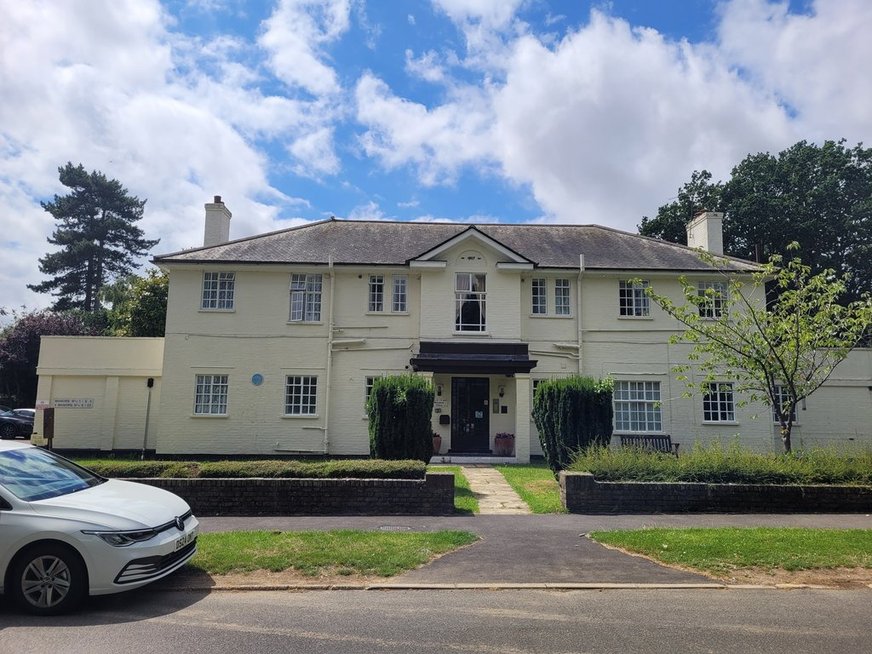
(724,550)
(335,469)
(572,414)
(817,196)
(399,410)
(731,465)
(97,238)
(795,343)
(139,305)
(19,348)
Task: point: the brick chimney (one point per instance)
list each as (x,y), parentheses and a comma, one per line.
(706,231)
(217,223)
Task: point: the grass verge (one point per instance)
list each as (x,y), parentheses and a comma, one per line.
(536,485)
(464,500)
(721,551)
(312,553)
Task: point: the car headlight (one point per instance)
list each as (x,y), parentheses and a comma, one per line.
(122,538)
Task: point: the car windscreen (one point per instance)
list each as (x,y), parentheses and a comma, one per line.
(32,473)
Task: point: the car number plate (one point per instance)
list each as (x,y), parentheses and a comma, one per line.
(186,539)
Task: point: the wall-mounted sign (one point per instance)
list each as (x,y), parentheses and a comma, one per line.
(257,379)
(74,403)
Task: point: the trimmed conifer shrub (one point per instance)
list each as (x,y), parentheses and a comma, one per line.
(571,415)
(399,410)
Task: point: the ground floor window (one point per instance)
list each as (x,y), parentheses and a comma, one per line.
(301,393)
(718,403)
(211,395)
(782,396)
(637,406)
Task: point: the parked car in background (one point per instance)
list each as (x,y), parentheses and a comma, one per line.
(17,423)
(68,533)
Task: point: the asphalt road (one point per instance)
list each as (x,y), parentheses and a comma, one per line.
(480,622)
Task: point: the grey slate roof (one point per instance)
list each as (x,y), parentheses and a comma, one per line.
(396,243)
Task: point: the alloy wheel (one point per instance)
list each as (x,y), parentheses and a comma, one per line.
(46,581)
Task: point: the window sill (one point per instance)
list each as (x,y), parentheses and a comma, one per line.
(202,310)
(635,318)
(305,322)
(387,313)
(473,334)
(307,416)
(716,423)
(552,316)
(210,415)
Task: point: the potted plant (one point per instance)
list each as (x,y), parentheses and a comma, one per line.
(504,444)
(437,442)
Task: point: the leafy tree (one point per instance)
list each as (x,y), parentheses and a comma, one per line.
(19,348)
(97,237)
(399,409)
(139,305)
(817,196)
(780,354)
(572,414)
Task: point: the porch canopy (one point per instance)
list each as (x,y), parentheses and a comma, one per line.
(473,358)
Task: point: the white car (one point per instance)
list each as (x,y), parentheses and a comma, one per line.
(66,532)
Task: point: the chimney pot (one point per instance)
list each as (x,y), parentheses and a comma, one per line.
(218,199)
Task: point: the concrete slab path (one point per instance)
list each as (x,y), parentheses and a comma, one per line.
(494,495)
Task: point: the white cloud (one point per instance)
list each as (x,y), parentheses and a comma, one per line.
(295,35)
(427,67)
(438,141)
(818,62)
(175,119)
(369,211)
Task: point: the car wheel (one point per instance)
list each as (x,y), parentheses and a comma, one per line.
(48,579)
(7,431)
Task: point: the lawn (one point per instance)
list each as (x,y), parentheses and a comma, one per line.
(536,485)
(720,551)
(313,553)
(464,500)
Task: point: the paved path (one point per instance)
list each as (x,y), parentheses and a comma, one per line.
(494,495)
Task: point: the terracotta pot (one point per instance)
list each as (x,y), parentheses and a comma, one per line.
(437,444)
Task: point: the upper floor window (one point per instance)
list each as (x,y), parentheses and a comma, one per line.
(470,296)
(713,299)
(210,396)
(376,292)
(718,403)
(637,406)
(561,297)
(301,394)
(399,285)
(540,297)
(218,290)
(305,297)
(399,299)
(632,300)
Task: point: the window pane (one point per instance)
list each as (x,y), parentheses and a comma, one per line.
(470,302)
(540,306)
(637,406)
(305,298)
(398,303)
(713,298)
(632,300)
(376,292)
(210,396)
(561,297)
(218,288)
(717,403)
(300,395)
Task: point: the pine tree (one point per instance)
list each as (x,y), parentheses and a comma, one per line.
(97,235)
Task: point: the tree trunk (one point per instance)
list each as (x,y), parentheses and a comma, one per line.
(785,436)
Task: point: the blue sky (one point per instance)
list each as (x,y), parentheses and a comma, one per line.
(460,110)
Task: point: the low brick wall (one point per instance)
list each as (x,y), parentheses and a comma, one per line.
(433,495)
(581,493)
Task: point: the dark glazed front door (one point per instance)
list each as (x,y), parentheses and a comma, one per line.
(470,420)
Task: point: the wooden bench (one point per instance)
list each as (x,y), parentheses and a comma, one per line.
(650,442)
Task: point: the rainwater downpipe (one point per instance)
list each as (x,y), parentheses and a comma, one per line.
(329,353)
(578,308)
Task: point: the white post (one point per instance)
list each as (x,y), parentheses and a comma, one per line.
(522,417)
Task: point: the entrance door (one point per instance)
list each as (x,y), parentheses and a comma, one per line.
(470,421)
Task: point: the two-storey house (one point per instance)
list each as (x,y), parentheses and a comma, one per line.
(273,341)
